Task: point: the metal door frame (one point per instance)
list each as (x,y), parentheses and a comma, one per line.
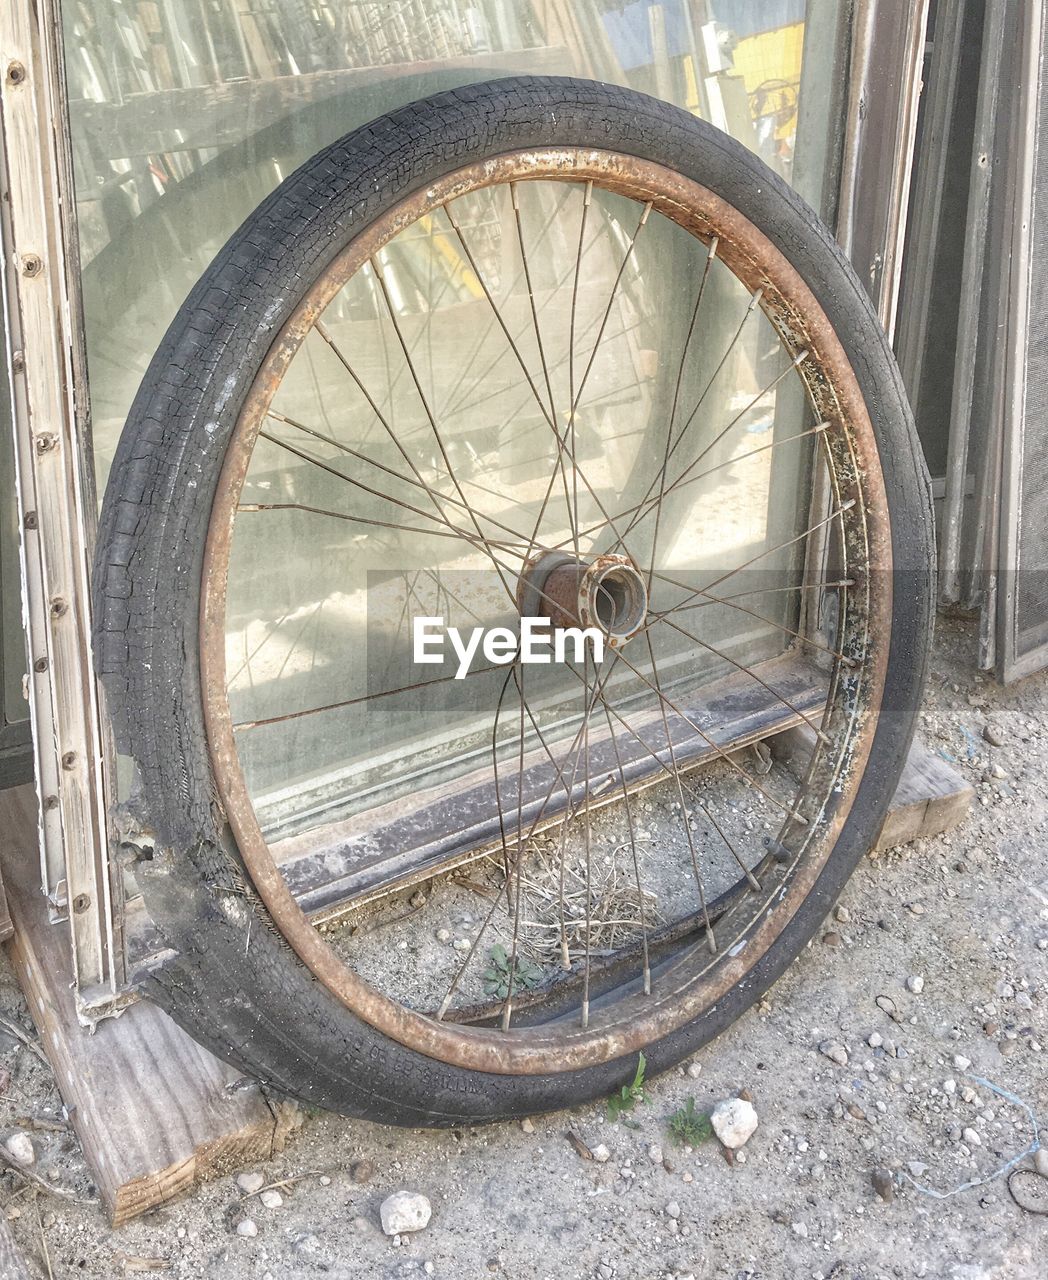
(55,490)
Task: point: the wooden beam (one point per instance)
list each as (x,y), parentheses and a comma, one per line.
(154,1112)
(12,1263)
(931,797)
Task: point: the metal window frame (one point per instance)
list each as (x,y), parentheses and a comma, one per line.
(73,753)
(1018,654)
(55,491)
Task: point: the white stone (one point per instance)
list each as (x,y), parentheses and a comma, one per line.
(960,1062)
(875,1040)
(271,1199)
(695,1070)
(404,1211)
(655,1153)
(949,1086)
(247,1228)
(20,1149)
(915,983)
(1040,1161)
(526,1126)
(835,1052)
(972,1138)
(601,1153)
(673,1209)
(249,1183)
(734,1122)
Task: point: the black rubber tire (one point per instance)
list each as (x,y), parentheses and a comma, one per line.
(236,986)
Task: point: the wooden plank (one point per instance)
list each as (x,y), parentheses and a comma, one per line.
(6,927)
(154,1112)
(931,797)
(12,1261)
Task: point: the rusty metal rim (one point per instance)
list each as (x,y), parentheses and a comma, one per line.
(697,979)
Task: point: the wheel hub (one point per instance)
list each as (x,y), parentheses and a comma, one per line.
(607,593)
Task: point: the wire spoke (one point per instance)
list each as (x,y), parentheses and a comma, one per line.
(789,542)
(519,539)
(711,742)
(741,666)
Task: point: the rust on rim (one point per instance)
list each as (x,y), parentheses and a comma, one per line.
(696,979)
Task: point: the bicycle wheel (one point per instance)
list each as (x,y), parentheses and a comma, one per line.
(541,349)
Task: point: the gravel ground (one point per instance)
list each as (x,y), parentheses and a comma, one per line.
(869,1064)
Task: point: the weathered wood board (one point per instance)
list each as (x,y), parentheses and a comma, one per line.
(155,1113)
(931,797)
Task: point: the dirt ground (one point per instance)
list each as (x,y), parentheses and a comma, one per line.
(842,1088)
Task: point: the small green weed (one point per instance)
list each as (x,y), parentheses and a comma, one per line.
(688,1127)
(630,1094)
(496,976)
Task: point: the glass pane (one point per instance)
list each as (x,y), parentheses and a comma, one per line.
(184,116)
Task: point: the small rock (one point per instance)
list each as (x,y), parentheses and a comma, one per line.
(1028,1191)
(915,983)
(526,1126)
(443,935)
(1040,1161)
(887,1005)
(993,736)
(1008,1047)
(835,1052)
(875,1040)
(655,1153)
(673,1210)
(883,1184)
(831,939)
(246,1227)
(695,1070)
(842,914)
(20,1148)
(917,1168)
(462,944)
(734,1121)
(949,1086)
(800,1229)
(362,1171)
(971,1137)
(960,1062)
(404,1211)
(601,1153)
(272,1199)
(325,1181)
